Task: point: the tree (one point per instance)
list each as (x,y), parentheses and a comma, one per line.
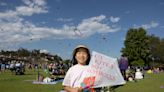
(136,46)
(33,56)
(23,52)
(156,50)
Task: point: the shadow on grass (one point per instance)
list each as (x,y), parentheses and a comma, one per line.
(110,89)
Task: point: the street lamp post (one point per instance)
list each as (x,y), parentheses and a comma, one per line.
(153,60)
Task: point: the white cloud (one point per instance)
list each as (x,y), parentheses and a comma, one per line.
(32,6)
(28,11)
(151,25)
(96,19)
(114,19)
(14,29)
(33,3)
(7,14)
(92,25)
(44,51)
(148,26)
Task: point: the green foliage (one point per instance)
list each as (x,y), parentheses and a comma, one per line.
(156,49)
(35,56)
(139,62)
(136,45)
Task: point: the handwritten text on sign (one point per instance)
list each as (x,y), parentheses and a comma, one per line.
(105,69)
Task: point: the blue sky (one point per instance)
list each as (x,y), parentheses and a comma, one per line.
(57,26)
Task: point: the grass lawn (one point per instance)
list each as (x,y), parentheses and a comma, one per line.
(23,83)
(151,83)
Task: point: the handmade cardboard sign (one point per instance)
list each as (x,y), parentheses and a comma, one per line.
(104,70)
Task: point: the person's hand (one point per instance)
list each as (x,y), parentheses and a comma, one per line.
(77,89)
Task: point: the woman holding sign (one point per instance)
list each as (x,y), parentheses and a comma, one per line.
(73,81)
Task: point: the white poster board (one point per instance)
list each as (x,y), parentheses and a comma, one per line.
(104,70)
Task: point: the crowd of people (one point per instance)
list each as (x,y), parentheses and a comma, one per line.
(18,66)
(55,68)
(134,73)
(14,65)
(81,58)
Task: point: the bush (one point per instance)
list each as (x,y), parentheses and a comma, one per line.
(139,62)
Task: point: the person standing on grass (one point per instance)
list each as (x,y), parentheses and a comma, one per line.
(73,79)
(123,65)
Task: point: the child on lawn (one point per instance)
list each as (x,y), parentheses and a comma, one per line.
(73,79)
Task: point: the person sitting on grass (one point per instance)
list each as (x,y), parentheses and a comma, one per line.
(138,74)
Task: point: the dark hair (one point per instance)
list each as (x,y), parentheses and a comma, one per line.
(74,61)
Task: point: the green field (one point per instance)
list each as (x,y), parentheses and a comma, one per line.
(151,83)
(23,83)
